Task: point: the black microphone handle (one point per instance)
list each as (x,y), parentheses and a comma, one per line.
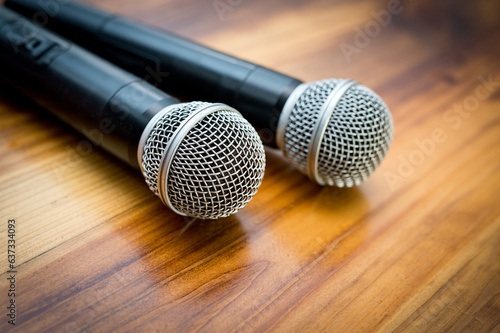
(175,64)
(105,103)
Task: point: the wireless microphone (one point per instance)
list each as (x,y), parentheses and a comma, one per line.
(203,160)
(335,131)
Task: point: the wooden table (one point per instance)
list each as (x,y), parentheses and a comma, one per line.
(415,248)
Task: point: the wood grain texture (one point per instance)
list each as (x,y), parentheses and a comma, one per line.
(415,248)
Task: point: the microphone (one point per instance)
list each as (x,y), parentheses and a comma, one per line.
(335,131)
(203,160)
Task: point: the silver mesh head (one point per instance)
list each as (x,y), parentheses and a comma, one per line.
(203,160)
(335,131)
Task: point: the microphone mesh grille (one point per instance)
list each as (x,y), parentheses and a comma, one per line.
(303,120)
(159,139)
(217,174)
(356,139)
(217,168)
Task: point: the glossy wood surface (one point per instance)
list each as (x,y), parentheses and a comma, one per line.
(416,248)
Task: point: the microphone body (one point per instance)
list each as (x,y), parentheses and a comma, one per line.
(184,150)
(335,131)
(194,71)
(79,88)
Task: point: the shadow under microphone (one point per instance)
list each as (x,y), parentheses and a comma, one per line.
(335,131)
(203,160)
